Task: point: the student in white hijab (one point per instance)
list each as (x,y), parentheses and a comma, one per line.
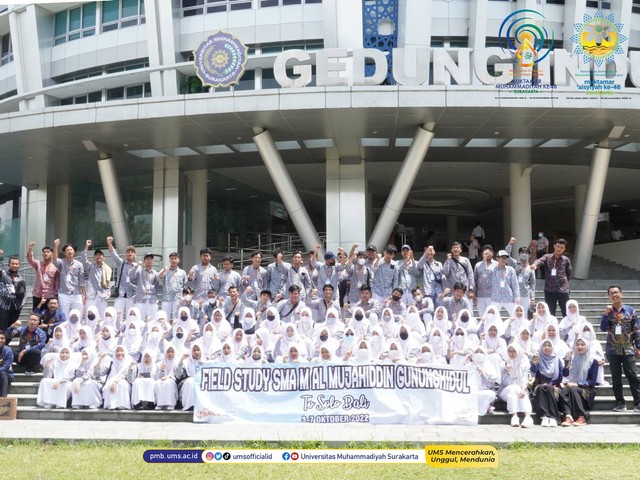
(439,341)
(190,327)
(107,341)
(490,318)
(154,341)
(143,390)
(440,320)
(324,338)
(267,342)
(72,325)
(541,319)
(210,344)
(239,344)
(248,321)
(326,355)
(488,378)
(187,385)
(467,321)
(577,394)
(56,343)
(515,382)
(460,347)
(524,341)
(166,387)
(393,352)
(408,343)
(54,387)
(427,357)
(348,344)
(86,340)
(220,324)
(273,322)
(110,319)
(227,355)
(377,342)
(92,319)
(86,385)
(388,324)
(293,355)
(571,326)
(360,323)
(496,347)
(132,340)
(305,324)
(515,323)
(117,389)
(332,321)
(288,338)
(595,348)
(256,357)
(361,355)
(560,348)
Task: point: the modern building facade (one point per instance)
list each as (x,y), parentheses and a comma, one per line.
(361,119)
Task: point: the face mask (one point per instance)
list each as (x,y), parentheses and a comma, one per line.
(464,318)
(376,340)
(188,298)
(540,235)
(362,261)
(133,317)
(348,341)
(490,316)
(418,298)
(393,354)
(91,316)
(179,335)
(588,335)
(363,353)
(324,337)
(131,332)
(305,318)
(396,298)
(436,340)
(184,319)
(358,316)
(427,356)
(271,318)
(524,256)
(212,301)
(478,358)
(331,320)
(208,334)
(387,318)
(404,335)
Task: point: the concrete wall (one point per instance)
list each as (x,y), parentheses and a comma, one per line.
(624,253)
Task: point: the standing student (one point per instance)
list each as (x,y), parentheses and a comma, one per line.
(557,273)
(98,286)
(126,289)
(47,276)
(71,293)
(12,293)
(173,280)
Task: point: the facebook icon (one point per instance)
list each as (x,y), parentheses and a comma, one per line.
(286,456)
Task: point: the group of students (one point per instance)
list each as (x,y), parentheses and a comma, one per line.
(543,365)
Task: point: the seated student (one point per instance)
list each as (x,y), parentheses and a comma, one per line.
(460,348)
(571,326)
(595,348)
(256,357)
(408,343)
(86,384)
(32,341)
(143,389)
(166,387)
(57,342)
(132,340)
(6,366)
(54,388)
(548,371)
(294,356)
(186,386)
(86,340)
(92,319)
(440,342)
(361,355)
(116,392)
(427,357)
(541,319)
(528,346)
(488,377)
(467,321)
(515,323)
(515,383)
(578,393)
(51,317)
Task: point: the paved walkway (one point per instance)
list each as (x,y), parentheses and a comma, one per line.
(331,434)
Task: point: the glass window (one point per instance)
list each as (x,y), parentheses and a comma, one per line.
(95,97)
(110,11)
(115,93)
(129,8)
(291,2)
(61,23)
(135,91)
(247,82)
(75,16)
(89,15)
(269,3)
(268,79)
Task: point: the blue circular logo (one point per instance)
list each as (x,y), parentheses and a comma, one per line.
(286,456)
(220,60)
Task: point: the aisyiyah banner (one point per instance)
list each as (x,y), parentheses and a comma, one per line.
(336,393)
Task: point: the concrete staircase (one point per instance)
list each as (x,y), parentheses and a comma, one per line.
(591,302)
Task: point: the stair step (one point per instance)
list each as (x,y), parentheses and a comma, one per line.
(38,413)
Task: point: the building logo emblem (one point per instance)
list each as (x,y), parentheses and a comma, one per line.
(521,35)
(220,60)
(598,38)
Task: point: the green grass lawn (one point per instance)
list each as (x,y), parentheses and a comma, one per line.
(91,460)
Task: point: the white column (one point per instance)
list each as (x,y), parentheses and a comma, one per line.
(452,230)
(161,45)
(477,29)
(346,205)
(520,204)
(165,230)
(113,198)
(287,190)
(61,213)
(198,210)
(342,23)
(36,218)
(27,54)
(593,201)
(579,194)
(401,187)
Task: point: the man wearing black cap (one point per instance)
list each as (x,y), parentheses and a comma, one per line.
(98,288)
(372,256)
(146,280)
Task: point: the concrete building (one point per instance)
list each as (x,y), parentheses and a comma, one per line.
(363,119)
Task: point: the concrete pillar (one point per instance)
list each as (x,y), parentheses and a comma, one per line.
(452,230)
(593,202)
(161,44)
(198,212)
(579,194)
(166,207)
(61,214)
(520,203)
(346,195)
(36,219)
(477,29)
(287,190)
(402,186)
(113,198)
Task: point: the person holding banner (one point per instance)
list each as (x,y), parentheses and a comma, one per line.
(361,355)
(257,358)
(293,355)
(264,339)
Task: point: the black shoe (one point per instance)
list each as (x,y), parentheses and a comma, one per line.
(620,407)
